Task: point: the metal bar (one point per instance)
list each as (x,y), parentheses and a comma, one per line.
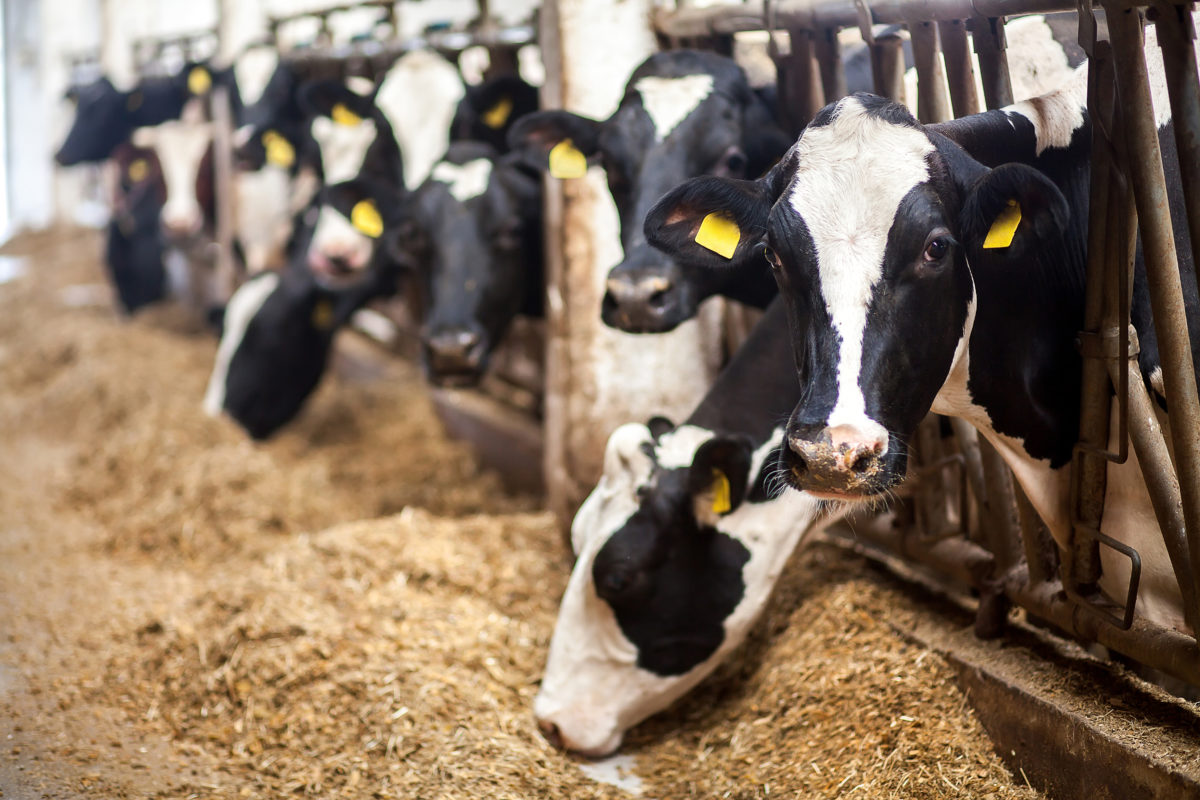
(933,104)
(960,69)
(1162,485)
(1162,266)
(226,278)
(804,97)
(829,58)
(1041,551)
(988,36)
(887,67)
(1175,33)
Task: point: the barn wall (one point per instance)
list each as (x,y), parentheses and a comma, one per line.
(600,377)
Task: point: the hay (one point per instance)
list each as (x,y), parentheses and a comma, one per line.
(193,615)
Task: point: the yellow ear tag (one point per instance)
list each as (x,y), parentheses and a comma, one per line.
(138,169)
(199,80)
(497,115)
(279,150)
(365,218)
(566,161)
(720,234)
(720,489)
(134,101)
(322,315)
(344,116)
(1000,235)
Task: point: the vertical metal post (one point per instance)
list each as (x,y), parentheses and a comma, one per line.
(829,60)
(1175,35)
(804,96)
(960,69)
(226,277)
(887,67)
(1162,266)
(932,103)
(988,35)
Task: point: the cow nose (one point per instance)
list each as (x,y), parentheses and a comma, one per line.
(551,733)
(639,303)
(179,227)
(840,459)
(455,351)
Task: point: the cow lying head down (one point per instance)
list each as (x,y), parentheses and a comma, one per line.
(935,267)
(677,550)
(684,113)
(472,233)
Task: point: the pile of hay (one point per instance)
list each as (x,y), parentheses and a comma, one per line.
(356,610)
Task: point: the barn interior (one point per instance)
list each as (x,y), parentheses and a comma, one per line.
(360,601)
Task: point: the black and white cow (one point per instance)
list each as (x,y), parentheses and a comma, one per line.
(940,268)
(684,113)
(473,235)
(277,332)
(133,252)
(489,110)
(677,550)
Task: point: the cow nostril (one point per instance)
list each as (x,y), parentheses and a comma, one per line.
(863,462)
(658,299)
(551,732)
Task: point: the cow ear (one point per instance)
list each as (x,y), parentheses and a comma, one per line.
(659,426)
(625,448)
(719,475)
(334,100)
(557,142)
(1013,209)
(711,222)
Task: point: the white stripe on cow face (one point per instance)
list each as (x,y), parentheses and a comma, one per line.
(850,178)
(466,181)
(669,101)
(240,310)
(343,147)
(180,145)
(334,237)
(253,71)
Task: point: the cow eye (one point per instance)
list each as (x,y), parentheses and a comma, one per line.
(736,162)
(936,250)
(770,256)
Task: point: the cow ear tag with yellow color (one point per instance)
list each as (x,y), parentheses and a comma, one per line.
(1001,234)
(138,169)
(365,218)
(344,116)
(280,152)
(720,234)
(498,114)
(721,503)
(199,80)
(567,161)
(322,315)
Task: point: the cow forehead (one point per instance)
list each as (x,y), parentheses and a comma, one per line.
(669,101)
(466,181)
(678,447)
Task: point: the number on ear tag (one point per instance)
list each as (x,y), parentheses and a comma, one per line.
(720,234)
(566,161)
(138,169)
(365,218)
(497,115)
(344,116)
(322,315)
(720,489)
(1000,235)
(199,80)
(279,150)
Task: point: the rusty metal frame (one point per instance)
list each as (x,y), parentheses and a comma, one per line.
(1010,557)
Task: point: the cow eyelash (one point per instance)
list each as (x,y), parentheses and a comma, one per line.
(769,255)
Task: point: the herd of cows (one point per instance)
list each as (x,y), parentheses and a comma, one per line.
(904,269)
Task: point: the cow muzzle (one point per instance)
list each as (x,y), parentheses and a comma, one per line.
(455,356)
(841,462)
(561,738)
(642,301)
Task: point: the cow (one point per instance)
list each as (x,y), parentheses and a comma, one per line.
(489,109)
(472,235)
(277,332)
(677,550)
(940,268)
(133,252)
(684,113)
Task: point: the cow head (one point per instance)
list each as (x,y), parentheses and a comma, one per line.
(352,135)
(353,221)
(677,549)
(488,110)
(101,123)
(473,232)
(872,225)
(684,114)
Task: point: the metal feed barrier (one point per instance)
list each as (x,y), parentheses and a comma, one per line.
(1006,555)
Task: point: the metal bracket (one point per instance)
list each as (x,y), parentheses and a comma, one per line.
(1135,575)
(865,21)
